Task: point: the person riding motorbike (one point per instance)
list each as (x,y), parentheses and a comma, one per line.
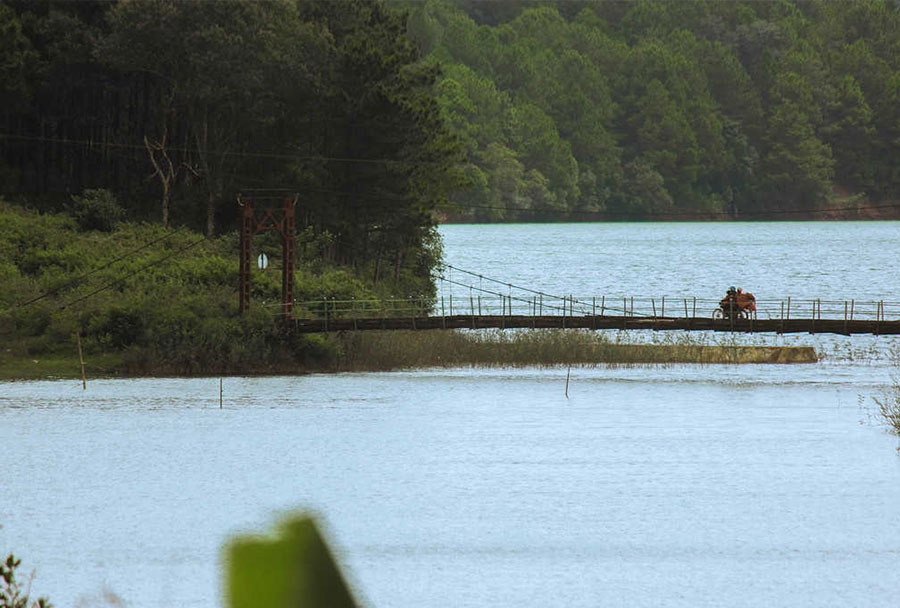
(737,303)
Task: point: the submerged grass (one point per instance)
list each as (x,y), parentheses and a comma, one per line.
(888,412)
(410,349)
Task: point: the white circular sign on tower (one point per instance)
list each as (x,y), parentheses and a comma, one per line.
(262,261)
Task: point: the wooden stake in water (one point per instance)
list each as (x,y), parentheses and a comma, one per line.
(568,373)
(220,393)
(81,360)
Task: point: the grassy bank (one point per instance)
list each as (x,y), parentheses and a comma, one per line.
(60,366)
(391,350)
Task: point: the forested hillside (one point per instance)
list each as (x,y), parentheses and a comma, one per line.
(560,109)
(668,109)
(177,107)
(128,129)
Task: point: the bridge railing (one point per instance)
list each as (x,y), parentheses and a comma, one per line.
(613,306)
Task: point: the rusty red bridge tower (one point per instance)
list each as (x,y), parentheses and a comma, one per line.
(258,217)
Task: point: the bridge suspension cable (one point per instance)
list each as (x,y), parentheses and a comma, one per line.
(565,301)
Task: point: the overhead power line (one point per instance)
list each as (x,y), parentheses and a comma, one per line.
(120,280)
(78,279)
(549,214)
(239,154)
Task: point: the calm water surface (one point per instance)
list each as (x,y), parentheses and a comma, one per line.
(803,260)
(647,486)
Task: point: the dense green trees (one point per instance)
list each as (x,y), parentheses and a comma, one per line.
(667,109)
(177,107)
(521,109)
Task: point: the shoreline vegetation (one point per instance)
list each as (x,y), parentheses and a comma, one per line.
(148,302)
(376,351)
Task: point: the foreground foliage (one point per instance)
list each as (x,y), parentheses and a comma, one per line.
(12,592)
(294,567)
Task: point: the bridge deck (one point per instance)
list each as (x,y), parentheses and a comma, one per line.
(594,322)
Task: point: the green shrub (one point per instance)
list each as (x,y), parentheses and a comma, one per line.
(31,321)
(333,283)
(121,328)
(97,210)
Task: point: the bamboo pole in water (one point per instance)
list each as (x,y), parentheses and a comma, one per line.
(81,360)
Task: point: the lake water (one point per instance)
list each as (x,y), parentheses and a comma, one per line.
(680,485)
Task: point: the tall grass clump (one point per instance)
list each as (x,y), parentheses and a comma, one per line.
(889,408)
(888,403)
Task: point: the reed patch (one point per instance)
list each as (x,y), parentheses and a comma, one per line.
(376,350)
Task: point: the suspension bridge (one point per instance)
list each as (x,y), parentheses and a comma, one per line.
(471,305)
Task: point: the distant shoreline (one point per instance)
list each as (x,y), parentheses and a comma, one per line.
(841,211)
